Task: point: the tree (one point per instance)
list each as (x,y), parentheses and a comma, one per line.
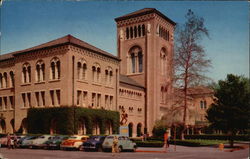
(231,109)
(189,60)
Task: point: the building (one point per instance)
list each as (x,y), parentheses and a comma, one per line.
(71,72)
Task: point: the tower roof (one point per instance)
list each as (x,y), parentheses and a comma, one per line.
(142,12)
(68,39)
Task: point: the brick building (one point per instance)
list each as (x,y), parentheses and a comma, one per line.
(71,72)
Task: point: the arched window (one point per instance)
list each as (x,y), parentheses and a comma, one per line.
(1,80)
(127,33)
(201,104)
(131,32)
(135,63)
(81,69)
(2,126)
(96,72)
(5,80)
(143,30)
(81,127)
(12,80)
(55,69)
(205,105)
(139,130)
(108,75)
(139,30)
(140,61)
(130,129)
(135,31)
(40,71)
(163,61)
(26,73)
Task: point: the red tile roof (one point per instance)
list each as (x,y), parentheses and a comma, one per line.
(144,12)
(68,39)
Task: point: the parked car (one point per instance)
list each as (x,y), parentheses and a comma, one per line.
(40,141)
(3,140)
(124,143)
(26,141)
(55,142)
(74,142)
(93,143)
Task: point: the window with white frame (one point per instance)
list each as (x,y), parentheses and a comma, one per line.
(40,71)
(26,73)
(55,69)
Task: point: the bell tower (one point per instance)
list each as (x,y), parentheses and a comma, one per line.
(145,47)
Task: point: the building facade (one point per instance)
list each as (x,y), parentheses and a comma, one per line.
(71,72)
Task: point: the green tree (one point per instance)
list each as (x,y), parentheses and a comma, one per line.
(231,109)
(190,61)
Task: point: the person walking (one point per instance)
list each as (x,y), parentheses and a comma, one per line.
(8,141)
(115,146)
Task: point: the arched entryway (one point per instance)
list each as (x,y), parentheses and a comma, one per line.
(81,127)
(2,126)
(96,128)
(139,130)
(130,129)
(12,125)
(109,128)
(24,126)
(53,127)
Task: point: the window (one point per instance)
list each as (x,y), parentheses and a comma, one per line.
(98,100)
(106,101)
(135,31)
(85,98)
(79,94)
(24,99)
(29,99)
(143,30)
(135,63)
(131,32)
(205,105)
(43,98)
(11,102)
(81,69)
(58,97)
(40,71)
(5,80)
(163,61)
(5,103)
(37,99)
(93,99)
(55,69)
(26,73)
(12,80)
(1,80)
(201,104)
(1,103)
(139,30)
(127,33)
(52,97)
(111,102)
(96,72)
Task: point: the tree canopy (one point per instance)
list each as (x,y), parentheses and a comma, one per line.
(231,109)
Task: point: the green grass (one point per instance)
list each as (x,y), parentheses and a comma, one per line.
(208,142)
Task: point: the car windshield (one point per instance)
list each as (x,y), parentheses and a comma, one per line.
(72,137)
(96,138)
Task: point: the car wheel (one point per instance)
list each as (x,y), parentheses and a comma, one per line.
(99,149)
(80,148)
(134,149)
(120,149)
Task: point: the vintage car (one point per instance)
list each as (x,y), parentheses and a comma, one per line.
(124,143)
(73,142)
(39,142)
(55,142)
(26,141)
(93,143)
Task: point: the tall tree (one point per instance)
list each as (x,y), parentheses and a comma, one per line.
(231,109)
(189,60)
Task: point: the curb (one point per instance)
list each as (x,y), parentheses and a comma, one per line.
(151,151)
(236,149)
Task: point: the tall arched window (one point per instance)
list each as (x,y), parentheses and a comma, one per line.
(12,80)
(81,69)
(127,33)
(40,71)
(55,69)
(135,60)
(131,32)
(163,61)
(26,73)
(108,75)
(96,72)
(5,80)
(135,31)
(1,80)
(139,30)
(143,30)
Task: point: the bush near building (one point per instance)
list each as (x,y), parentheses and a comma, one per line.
(66,120)
(218,137)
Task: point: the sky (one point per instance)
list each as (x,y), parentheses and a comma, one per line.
(29,23)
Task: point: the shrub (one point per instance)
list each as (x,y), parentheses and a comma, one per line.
(149,143)
(218,137)
(67,119)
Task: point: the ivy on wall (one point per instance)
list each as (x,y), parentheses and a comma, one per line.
(68,118)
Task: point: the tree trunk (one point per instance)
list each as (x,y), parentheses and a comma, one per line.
(231,140)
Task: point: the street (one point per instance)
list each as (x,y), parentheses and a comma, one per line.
(181,152)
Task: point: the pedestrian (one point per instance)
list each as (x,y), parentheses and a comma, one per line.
(115,146)
(15,141)
(8,141)
(166,139)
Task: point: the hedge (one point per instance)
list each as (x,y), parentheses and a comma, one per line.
(68,118)
(151,143)
(218,137)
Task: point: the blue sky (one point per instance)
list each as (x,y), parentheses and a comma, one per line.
(28,23)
